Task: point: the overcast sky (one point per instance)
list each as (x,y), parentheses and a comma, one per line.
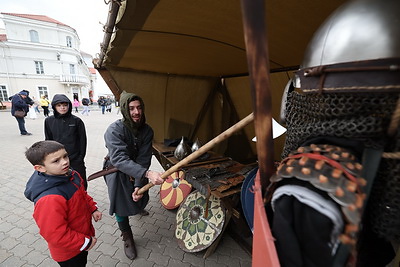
(84,16)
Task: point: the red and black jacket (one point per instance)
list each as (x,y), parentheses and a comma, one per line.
(63,212)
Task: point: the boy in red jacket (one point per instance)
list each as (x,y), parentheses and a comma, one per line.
(63,210)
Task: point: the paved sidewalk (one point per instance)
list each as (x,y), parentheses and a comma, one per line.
(21,244)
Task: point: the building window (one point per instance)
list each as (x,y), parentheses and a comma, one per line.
(34,36)
(39,67)
(3,93)
(69,41)
(71,68)
(43,90)
(79,59)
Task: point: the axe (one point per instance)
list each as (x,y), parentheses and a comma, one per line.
(216,140)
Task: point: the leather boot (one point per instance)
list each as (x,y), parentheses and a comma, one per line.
(129,244)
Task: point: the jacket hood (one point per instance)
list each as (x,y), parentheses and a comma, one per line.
(60,98)
(41,182)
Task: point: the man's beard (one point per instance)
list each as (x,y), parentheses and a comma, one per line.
(137,122)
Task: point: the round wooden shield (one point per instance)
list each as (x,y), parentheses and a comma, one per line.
(197,229)
(174,190)
(247,197)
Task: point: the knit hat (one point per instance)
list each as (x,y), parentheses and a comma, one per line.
(23,93)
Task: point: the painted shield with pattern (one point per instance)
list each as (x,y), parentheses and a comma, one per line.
(196,229)
(174,190)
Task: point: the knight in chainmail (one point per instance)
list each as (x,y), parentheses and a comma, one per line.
(336,194)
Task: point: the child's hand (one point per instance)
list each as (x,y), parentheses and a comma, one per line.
(97,215)
(94,241)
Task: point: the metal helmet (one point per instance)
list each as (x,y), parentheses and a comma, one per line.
(356,49)
(359,30)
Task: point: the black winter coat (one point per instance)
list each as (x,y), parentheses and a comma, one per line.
(66,129)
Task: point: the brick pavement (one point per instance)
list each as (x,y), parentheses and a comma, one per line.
(21,244)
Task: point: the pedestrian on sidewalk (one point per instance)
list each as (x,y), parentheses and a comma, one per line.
(85,103)
(44,103)
(35,105)
(19,105)
(76,105)
(108,104)
(69,130)
(102,103)
(129,144)
(63,209)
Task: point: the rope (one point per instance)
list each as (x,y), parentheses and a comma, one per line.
(391,155)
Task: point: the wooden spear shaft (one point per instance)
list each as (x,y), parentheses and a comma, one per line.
(203,149)
(254,28)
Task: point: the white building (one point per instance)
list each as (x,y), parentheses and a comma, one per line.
(42,55)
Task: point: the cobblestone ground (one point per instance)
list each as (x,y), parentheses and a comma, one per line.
(21,244)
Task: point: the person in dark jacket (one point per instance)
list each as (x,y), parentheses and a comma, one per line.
(27,99)
(69,130)
(102,103)
(85,103)
(18,103)
(129,144)
(108,104)
(63,209)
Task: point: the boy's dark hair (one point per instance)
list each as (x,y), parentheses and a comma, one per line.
(39,150)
